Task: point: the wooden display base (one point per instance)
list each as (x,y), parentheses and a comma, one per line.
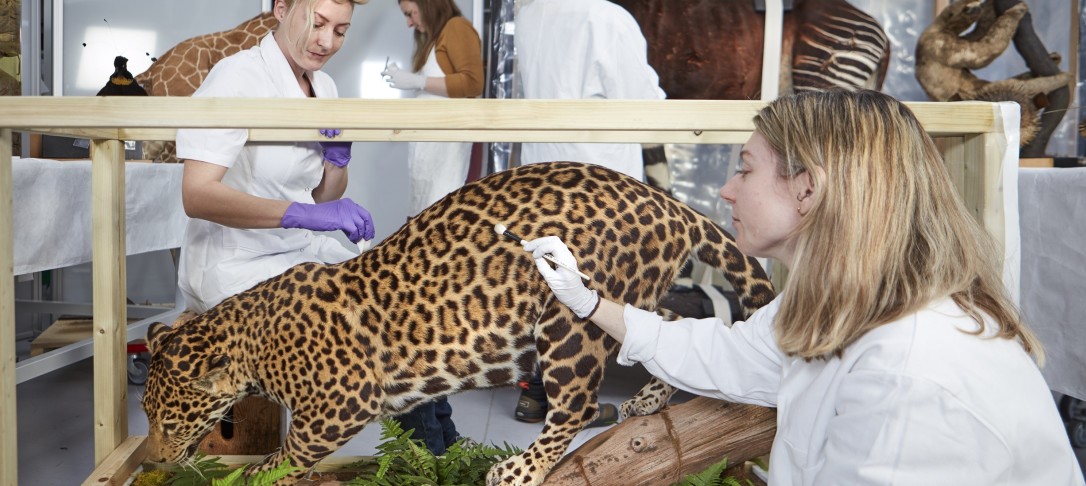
(253,429)
(62,332)
(654,450)
(1040,163)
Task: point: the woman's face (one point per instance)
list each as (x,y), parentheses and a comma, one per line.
(765,207)
(411,13)
(331,20)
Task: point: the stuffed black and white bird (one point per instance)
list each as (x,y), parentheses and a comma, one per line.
(121,82)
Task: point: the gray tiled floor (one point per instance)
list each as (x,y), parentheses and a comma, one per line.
(56,421)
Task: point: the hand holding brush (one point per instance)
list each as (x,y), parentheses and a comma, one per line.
(502,230)
(565,281)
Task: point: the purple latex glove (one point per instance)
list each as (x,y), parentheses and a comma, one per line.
(342,214)
(336,153)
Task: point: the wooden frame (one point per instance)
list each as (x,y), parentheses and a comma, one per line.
(973,131)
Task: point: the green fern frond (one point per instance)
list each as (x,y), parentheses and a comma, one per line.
(232,479)
(269,477)
(708,477)
(403,461)
(202,470)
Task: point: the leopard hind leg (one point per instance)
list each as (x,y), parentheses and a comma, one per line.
(656,394)
(572,356)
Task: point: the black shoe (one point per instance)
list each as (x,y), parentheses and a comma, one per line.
(608,416)
(530,410)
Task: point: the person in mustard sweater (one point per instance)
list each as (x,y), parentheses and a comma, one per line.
(447,63)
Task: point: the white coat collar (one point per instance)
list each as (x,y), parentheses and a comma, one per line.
(280,72)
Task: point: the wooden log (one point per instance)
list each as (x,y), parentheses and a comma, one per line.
(660,449)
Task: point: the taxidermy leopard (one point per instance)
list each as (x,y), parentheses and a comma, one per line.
(441,306)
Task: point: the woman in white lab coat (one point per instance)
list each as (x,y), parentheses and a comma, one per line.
(448,63)
(893,354)
(255,207)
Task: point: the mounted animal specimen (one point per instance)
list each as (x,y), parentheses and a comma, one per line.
(712,49)
(443,305)
(969,35)
(181,69)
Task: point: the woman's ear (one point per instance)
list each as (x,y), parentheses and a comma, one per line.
(279,9)
(804,187)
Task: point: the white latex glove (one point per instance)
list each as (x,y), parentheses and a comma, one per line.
(400,79)
(566,285)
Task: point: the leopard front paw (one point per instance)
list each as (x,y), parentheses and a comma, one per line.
(652,398)
(514,471)
(639,407)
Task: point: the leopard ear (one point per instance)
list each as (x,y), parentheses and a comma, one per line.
(216,380)
(157,335)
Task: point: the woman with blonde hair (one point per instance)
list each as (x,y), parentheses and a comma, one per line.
(255,207)
(893,354)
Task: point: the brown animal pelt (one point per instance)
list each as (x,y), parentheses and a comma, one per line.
(1031,115)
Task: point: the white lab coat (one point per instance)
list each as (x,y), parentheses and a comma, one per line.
(434,168)
(579,49)
(912,402)
(217,261)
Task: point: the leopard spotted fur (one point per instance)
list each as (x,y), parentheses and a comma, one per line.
(441,306)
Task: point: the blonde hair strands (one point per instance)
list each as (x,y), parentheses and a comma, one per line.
(886,234)
(309,6)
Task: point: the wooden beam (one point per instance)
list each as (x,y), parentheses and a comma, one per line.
(595,136)
(119,465)
(98,133)
(554,118)
(110,312)
(9,473)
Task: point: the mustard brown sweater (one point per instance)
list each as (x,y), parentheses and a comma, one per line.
(459,54)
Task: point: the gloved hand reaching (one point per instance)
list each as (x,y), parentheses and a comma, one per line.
(336,153)
(342,214)
(566,285)
(401,79)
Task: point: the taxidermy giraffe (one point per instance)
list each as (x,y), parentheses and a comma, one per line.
(181,69)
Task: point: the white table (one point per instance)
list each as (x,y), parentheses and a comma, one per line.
(1052,211)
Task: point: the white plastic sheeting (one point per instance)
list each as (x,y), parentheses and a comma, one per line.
(52,211)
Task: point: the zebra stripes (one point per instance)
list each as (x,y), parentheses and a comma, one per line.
(839,46)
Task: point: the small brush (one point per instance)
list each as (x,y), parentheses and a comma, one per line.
(501,230)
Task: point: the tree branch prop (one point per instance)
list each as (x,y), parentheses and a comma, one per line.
(1033,51)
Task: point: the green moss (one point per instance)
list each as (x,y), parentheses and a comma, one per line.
(151,478)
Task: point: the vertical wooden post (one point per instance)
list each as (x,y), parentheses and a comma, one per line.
(110,311)
(976,167)
(9,474)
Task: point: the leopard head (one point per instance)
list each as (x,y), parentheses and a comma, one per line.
(189,389)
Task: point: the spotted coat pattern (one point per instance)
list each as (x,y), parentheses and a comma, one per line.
(441,306)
